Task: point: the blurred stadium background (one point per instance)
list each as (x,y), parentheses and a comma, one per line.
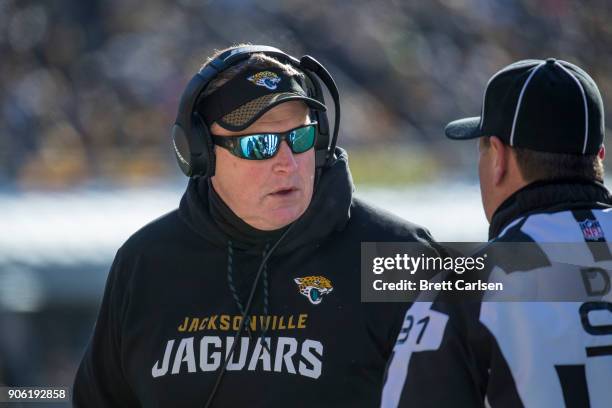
(89,88)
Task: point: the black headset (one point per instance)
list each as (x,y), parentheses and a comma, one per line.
(192,142)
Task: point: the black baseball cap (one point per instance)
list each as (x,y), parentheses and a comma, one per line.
(545,105)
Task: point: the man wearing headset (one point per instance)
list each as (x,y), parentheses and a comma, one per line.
(249,292)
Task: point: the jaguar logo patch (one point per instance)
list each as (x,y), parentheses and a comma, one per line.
(314,287)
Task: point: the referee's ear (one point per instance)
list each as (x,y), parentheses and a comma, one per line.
(500,155)
(602,153)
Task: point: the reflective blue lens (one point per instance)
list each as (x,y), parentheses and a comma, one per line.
(258,147)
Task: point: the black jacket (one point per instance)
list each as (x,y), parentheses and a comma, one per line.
(168,315)
(513,354)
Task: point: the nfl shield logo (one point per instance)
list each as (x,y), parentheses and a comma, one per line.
(591,230)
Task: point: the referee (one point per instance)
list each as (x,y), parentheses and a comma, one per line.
(541,137)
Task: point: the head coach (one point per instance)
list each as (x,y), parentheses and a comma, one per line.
(541,146)
(249,293)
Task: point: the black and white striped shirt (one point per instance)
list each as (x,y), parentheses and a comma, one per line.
(513,354)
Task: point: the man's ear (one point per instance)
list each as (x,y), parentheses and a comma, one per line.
(602,152)
(499,152)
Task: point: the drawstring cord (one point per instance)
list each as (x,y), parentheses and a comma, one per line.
(247,309)
(266,303)
(266,293)
(232,287)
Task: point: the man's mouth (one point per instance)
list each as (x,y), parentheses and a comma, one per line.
(284,192)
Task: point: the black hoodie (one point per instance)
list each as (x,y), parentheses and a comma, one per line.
(175,293)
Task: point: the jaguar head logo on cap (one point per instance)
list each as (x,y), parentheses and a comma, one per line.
(265,78)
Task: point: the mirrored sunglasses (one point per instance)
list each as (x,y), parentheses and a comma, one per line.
(262,146)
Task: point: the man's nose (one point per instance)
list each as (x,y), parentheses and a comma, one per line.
(284,161)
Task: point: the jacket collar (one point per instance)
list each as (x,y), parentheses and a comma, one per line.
(549,196)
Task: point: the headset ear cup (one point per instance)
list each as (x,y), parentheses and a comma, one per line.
(321,117)
(318,74)
(322,141)
(203,164)
(181,149)
(315,91)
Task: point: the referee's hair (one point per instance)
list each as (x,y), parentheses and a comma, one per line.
(535,165)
